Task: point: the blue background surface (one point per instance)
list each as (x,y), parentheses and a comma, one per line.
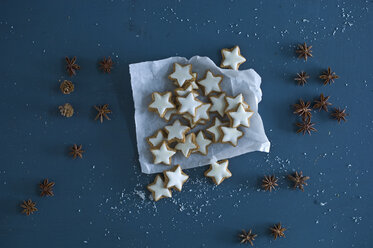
(101,200)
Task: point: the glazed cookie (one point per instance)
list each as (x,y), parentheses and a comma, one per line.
(156,139)
(163,154)
(169,114)
(202,114)
(232,58)
(231,135)
(175,178)
(203,143)
(184,92)
(161,103)
(232,102)
(188,104)
(188,146)
(193,83)
(240,117)
(210,83)
(189,118)
(176,132)
(218,171)
(219,104)
(181,74)
(215,131)
(158,189)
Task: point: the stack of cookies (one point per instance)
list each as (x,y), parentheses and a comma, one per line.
(190,105)
(199,113)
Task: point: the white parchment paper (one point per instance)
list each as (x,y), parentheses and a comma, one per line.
(147,77)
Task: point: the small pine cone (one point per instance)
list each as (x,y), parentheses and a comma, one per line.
(66,110)
(67,87)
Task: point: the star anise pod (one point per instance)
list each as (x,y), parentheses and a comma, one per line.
(247,237)
(106,65)
(66,110)
(28,207)
(76,151)
(339,114)
(278,231)
(329,76)
(67,87)
(306,126)
(322,103)
(304,51)
(102,112)
(269,183)
(46,188)
(303,109)
(71,66)
(299,180)
(302,78)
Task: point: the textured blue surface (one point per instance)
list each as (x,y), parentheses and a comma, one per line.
(98,200)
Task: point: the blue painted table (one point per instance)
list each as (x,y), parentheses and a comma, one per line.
(101,200)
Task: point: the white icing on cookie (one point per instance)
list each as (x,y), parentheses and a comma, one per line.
(203,143)
(218,171)
(218,104)
(202,113)
(169,113)
(232,102)
(182,91)
(231,135)
(181,74)
(214,130)
(211,83)
(175,178)
(161,103)
(193,83)
(240,117)
(189,118)
(162,154)
(232,58)
(158,189)
(156,139)
(188,104)
(176,131)
(188,146)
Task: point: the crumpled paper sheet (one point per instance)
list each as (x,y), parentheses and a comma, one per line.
(147,77)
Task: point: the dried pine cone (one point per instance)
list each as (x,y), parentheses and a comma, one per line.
(67,87)
(66,110)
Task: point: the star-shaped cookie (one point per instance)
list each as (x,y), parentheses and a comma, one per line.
(175,178)
(202,113)
(193,83)
(161,103)
(218,171)
(169,114)
(176,132)
(210,83)
(163,154)
(232,58)
(240,117)
(181,74)
(188,146)
(203,143)
(219,104)
(232,102)
(183,92)
(214,130)
(158,189)
(156,139)
(231,135)
(188,104)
